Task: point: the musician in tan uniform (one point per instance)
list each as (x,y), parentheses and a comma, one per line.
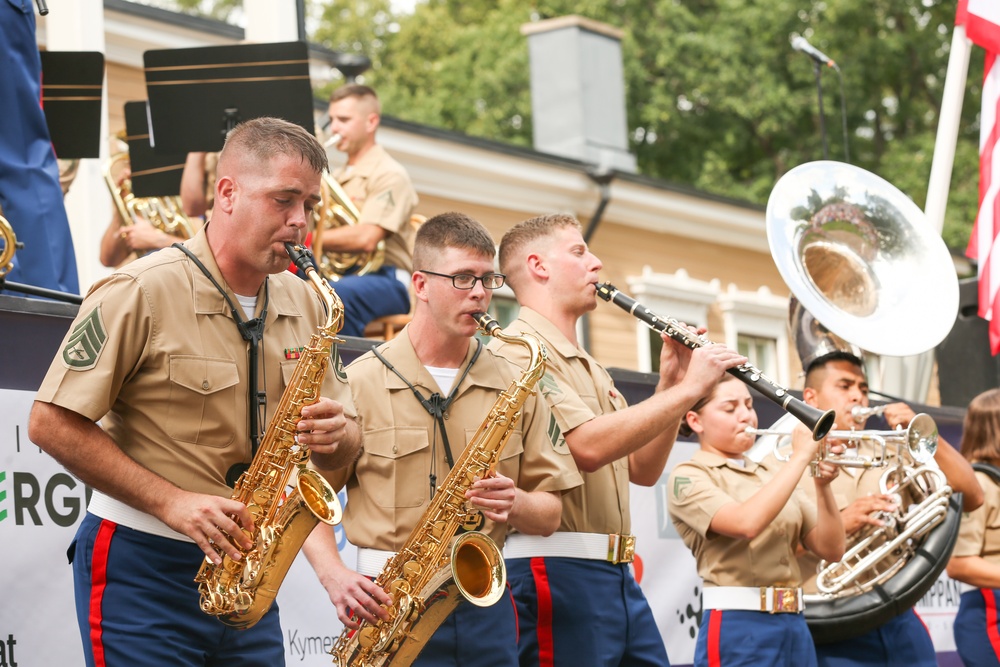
(183,358)
(578,602)
(381,189)
(836,381)
(408,452)
(975,560)
(744,521)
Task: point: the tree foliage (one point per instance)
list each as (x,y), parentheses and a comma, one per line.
(716,97)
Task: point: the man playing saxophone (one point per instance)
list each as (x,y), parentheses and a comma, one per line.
(435,365)
(577,600)
(382,192)
(836,381)
(164,353)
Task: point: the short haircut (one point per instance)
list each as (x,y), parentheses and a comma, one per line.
(264,138)
(359,91)
(523,233)
(450,230)
(685,428)
(981,430)
(815,372)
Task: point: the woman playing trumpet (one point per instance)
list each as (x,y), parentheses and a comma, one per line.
(975,560)
(744,521)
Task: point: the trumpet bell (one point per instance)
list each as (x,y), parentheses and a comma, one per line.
(860,256)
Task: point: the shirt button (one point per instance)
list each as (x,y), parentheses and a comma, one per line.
(205,384)
(446,415)
(395,449)
(783,561)
(781,531)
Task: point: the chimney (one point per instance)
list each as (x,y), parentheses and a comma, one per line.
(578,91)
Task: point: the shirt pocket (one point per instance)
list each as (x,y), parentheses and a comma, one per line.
(202,402)
(397,462)
(510,457)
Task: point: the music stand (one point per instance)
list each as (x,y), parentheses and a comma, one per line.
(153,174)
(72,82)
(197,95)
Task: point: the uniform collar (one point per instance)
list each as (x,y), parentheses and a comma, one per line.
(713,460)
(367,164)
(554,338)
(400,353)
(208,300)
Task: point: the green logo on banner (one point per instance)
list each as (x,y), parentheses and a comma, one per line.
(3,497)
(86,342)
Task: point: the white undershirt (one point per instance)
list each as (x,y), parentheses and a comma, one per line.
(249,305)
(445,377)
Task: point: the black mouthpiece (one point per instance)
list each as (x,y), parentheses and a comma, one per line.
(300,255)
(606,291)
(486,322)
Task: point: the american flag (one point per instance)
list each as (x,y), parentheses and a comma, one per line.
(981,19)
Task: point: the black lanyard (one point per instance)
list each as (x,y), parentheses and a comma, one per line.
(437,406)
(251,331)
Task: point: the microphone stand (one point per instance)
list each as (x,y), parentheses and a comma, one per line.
(822,119)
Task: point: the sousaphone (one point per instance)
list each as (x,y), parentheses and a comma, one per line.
(867,267)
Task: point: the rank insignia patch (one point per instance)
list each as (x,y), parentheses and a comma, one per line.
(83,348)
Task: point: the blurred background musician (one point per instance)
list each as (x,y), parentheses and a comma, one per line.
(380,189)
(30,194)
(139,225)
(744,522)
(198,184)
(975,560)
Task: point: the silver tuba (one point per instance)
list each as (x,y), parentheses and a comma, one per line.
(869,273)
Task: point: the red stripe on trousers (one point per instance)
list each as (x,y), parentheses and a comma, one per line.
(98,582)
(991,621)
(714,627)
(546,648)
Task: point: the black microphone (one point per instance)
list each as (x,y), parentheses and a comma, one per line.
(800,43)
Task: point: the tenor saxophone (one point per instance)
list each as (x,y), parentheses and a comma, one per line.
(433,573)
(240,592)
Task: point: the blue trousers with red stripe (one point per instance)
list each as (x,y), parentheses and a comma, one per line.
(474,637)
(574,612)
(137,605)
(903,641)
(732,638)
(977,635)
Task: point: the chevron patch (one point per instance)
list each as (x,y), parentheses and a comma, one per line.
(86,341)
(680,486)
(556,436)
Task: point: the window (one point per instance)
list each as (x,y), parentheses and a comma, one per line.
(756,324)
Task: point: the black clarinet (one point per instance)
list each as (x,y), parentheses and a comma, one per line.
(819,422)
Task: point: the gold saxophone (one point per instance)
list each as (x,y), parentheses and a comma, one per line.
(431,574)
(240,592)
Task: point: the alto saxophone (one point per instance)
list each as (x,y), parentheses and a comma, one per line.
(240,592)
(432,574)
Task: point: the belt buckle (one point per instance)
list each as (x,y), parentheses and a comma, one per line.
(621,549)
(785,600)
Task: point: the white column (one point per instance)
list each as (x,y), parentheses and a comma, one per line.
(79,26)
(271,21)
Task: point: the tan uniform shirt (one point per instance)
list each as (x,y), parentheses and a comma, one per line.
(156,356)
(384,195)
(388,488)
(700,487)
(577,389)
(979,534)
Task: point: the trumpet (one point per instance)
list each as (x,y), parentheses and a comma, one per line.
(860,413)
(818,421)
(920,439)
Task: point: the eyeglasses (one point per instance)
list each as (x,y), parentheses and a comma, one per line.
(467,281)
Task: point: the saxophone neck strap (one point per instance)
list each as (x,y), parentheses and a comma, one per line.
(252,331)
(436,404)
